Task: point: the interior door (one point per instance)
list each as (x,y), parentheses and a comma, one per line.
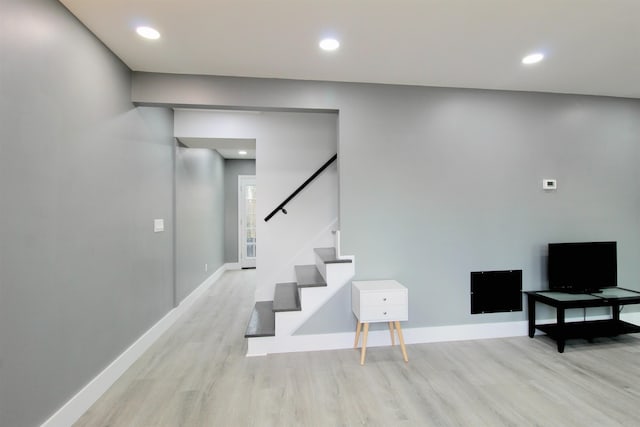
(247,220)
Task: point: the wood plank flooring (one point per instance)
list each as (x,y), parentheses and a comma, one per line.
(197,375)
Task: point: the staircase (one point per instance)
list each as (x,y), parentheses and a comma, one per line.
(273,322)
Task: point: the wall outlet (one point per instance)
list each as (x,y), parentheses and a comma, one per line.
(206,268)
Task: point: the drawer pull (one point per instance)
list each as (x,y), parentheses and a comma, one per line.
(385,313)
(384,299)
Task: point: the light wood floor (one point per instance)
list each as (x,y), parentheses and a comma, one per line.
(198,375)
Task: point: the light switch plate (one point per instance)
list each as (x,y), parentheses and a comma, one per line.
(549,184)
(158,225)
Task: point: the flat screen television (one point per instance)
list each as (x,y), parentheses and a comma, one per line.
(582,267)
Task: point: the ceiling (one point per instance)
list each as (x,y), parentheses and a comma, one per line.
(591,46)
(229,148)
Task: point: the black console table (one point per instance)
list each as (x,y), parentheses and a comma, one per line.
(588,329)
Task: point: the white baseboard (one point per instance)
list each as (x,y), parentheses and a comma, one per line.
(233,266)
(378,338)
(423,335)
(71,411)
(631,317)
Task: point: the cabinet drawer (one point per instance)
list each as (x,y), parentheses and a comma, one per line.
(382,313)
(383,298)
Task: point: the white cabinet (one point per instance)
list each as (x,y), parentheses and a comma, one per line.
(379,301)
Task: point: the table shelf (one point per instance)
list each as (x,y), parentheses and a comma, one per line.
(589,329)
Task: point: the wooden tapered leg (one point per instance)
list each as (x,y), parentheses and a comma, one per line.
(393,338)
(358,327)
(401,339)
(364,343)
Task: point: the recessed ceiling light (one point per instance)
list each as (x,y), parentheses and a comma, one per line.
(148,33)
(533,58)
(329,44)
(242,153)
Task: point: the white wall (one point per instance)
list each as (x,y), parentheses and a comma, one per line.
(289,147)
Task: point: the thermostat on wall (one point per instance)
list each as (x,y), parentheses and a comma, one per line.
(158,225)
(549,184)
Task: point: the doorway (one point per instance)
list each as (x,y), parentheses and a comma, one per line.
(247,221)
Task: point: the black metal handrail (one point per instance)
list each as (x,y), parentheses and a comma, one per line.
(299,189)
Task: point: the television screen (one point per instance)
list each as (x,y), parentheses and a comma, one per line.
(582,267)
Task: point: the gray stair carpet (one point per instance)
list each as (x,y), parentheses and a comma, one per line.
(262,322)
(286,297)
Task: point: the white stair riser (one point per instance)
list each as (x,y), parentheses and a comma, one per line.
(337,276)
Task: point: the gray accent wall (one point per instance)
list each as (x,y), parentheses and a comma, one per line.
(199,217)
(83,174)
(436,183)
(232,169)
